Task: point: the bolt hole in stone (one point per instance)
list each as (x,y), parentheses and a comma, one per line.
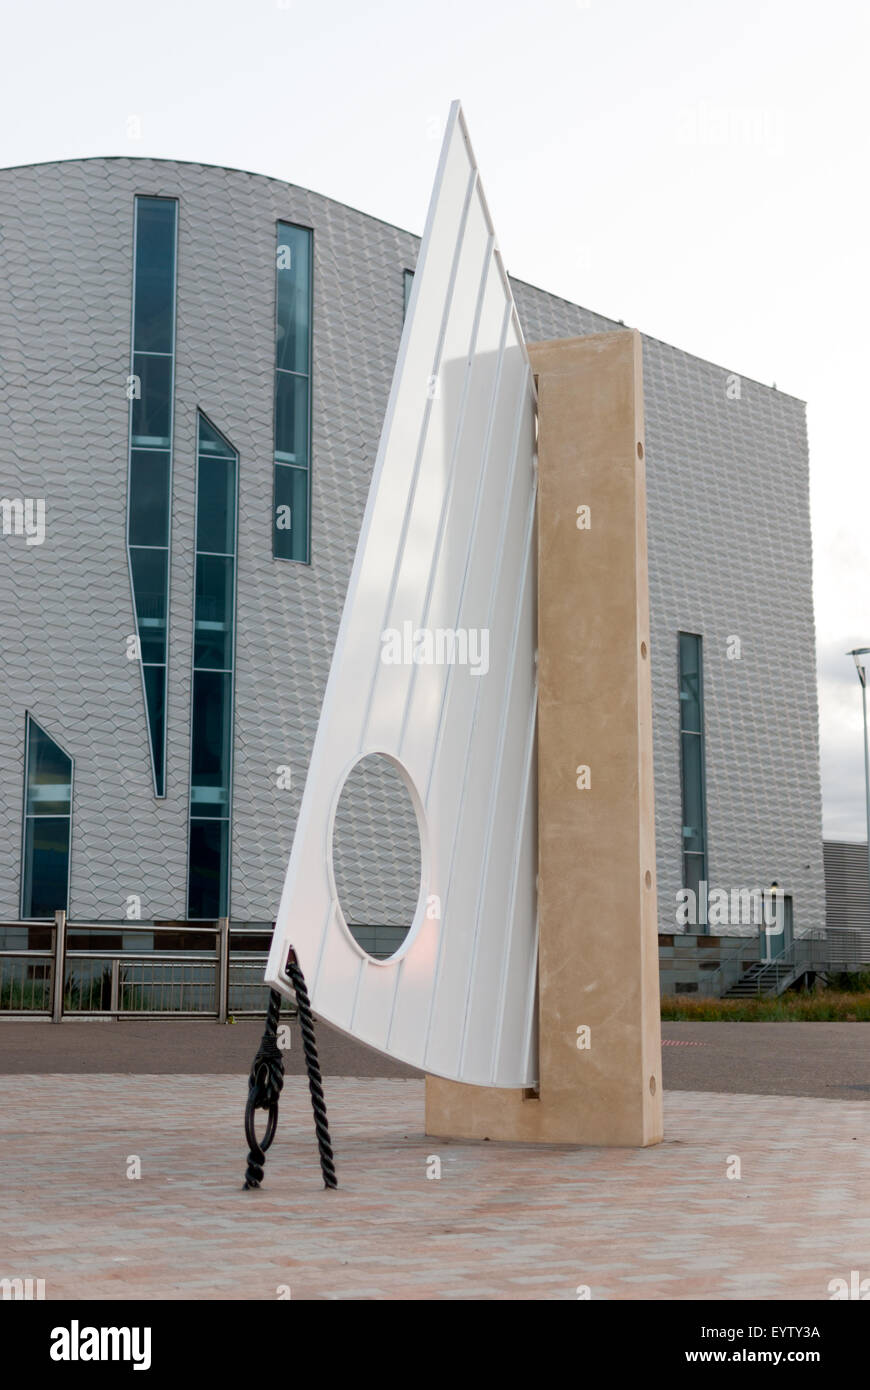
(643,650)
(652,1085)
(639,450)
(376,857)
(647,878)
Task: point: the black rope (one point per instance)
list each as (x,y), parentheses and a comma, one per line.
(267,1079)
(264,1091)
(315,1084)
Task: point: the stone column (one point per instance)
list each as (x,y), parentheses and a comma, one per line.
(599,1029)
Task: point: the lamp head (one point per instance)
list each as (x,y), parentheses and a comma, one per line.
(860,651)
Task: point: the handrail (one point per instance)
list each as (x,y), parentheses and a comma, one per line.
(215,955)
(181,927)
(727,966)
(802,953)
(144,957)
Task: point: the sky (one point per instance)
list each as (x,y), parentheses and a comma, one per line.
(700,171)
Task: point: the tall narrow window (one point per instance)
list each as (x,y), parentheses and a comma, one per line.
(211,742)
(292,495)
(408,281)
(692,761)
(48,775)
(150,476)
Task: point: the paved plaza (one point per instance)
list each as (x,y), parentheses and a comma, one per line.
(501,1221)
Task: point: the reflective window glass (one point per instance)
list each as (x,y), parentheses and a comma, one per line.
(150,587)
(692,759)
(155,704)
(148,508)
(216,505)
(150,490)
(211,441)
(293,297)
(291,513)
(46,865)
(291,419)
(47,820)
(209,853)
(154,300)
(213,623)
(213,657)
(49,775)
(152,410)
(210,744)
(292,444)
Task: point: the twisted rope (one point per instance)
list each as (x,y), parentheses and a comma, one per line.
(267,1079)
(315,1084)
(264,1090)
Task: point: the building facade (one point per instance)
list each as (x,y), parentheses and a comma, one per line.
(194,367)
(847,886)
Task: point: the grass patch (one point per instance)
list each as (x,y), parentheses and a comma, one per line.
(25,994)
(816,1006)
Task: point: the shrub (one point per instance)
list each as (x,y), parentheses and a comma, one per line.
(817,1006)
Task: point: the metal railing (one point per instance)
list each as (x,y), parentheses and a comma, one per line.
(839,951)
(730,970)
(62,981)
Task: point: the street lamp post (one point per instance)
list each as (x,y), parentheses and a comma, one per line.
(862,676)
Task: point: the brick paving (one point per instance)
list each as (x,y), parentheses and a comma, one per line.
(502,1222)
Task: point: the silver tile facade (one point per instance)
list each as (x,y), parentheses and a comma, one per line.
(729,542)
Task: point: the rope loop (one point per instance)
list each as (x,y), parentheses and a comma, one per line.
(264,1090)
(267,1079)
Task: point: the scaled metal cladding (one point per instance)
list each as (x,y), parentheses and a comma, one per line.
(447,553)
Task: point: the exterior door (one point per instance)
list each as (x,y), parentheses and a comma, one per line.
(774,943)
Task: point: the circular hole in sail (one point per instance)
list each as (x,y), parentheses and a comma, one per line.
(376,856)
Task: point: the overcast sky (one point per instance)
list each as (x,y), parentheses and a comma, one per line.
(698,170)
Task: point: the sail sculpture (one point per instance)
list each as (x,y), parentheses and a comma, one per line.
(447,553)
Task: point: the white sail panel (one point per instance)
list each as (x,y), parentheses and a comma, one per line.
(447,560)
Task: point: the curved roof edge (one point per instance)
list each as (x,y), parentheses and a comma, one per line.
(204,164)
(271,178)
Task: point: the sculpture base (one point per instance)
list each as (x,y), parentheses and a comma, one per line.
(456,1111)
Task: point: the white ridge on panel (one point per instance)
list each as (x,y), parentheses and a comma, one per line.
(447,543)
